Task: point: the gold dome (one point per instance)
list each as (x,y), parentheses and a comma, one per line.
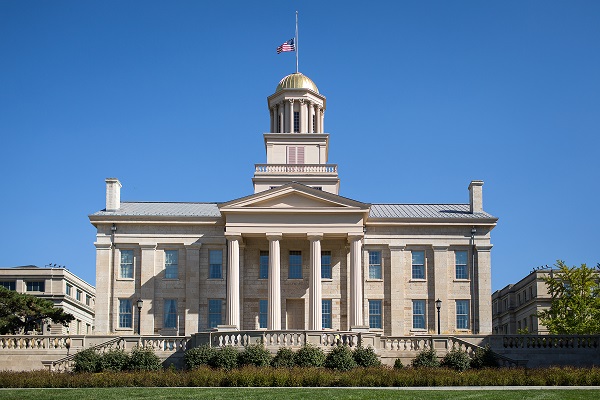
(296,81)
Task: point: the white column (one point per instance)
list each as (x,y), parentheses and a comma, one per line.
(356,290)
(322,114)
(303,127)
(272,114)
(279,127)
(314,289)
(311,112)
(291,116)
(274,295)
(233,282)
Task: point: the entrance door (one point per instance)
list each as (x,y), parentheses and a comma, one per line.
(294,314)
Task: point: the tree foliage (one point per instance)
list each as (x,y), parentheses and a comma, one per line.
(575,307)
(21,313)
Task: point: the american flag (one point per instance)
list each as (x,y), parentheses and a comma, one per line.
(287,46)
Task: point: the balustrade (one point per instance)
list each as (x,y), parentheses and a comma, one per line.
(295,168)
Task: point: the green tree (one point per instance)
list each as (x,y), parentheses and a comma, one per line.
(21,313)
(575,306)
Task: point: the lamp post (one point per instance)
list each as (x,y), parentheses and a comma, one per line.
(438,305)
(140,303)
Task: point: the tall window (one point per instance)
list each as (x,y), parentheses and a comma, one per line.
(126,264)
(325,265)
(263,272)
(374,265)
(462,314)
(170,317)
(125,320)
(171,264)
(279,123)
(295,270)
(263,309)
(214,312)
(10,285)
(326,314)
(375,314)
(88,300)
(460,261)
(216,264)
(418,314)
(313,123)
(68,289)
(78,295)
(418,265)
(296,121)
(36,286)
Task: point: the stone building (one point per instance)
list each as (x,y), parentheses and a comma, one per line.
(295,254)
(65,289)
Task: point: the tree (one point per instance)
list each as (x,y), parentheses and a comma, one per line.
(21,313)
(575,306)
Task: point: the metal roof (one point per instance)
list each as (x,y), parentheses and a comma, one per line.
(446,211)
(158,209)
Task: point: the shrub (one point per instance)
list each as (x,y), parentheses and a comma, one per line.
(398,364)
(366,357)
(225,358)
(456,359)
(144,359)
(198,356)
(255,354)
(309,356)
(340,358)
(426,358)
(114,360)
(86,361)
(484,358)
(284,358)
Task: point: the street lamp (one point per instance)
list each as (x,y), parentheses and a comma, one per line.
(140,303)
(438,305)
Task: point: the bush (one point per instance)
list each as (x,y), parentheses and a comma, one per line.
(225,358)
(340,358)
(255,354)
(199,356)
(484,358)
(456,359)
(86,361)
(309,356)
(114,360)
(144,359)
(398,364)
(366,357)
(426,358)
(284,358)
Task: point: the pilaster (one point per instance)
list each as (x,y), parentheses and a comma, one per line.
(147,290)
(483,288)
(356,282)
(192,288)
(396,283)
(104,287)
(440,268)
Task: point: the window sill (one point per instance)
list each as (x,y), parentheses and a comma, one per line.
(295,279)
(417,280)
(215,279)
(125,279)
(170,279)
(124,330)
(419,331)
(462,280)
(326,279)
(374,279)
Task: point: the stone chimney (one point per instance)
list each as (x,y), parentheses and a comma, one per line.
(113,194)
(476,196)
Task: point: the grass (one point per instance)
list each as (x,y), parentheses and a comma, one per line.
(292,393)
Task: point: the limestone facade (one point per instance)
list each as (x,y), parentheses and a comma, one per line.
(294,255)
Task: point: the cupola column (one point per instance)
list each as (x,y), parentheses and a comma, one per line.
(272,114)
(290,116)
(303,106)
(311,113)
(279,123)
(322,121)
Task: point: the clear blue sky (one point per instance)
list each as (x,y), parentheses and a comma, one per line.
(423,96)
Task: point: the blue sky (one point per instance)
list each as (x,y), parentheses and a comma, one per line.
(423,97)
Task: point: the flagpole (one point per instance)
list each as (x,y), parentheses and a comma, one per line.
(296,41)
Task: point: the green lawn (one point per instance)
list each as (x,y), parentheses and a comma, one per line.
(292,393)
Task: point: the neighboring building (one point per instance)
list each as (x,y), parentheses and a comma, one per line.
(516,306)
(65,289)
(295,254)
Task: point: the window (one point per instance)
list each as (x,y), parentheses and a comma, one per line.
(68,289)
(171,264)
(295,154)
(462,314)
(325,265)
(88,300)
(10,285)
(375,314)
(296,121)
(216,264)
(78,295)
(279,124)
(295,269)
(418,265)
(125,320)
(461,258)
(170,320)
(35,286)
(525,294)
(126,264)
(326,314)
(374,265)
(313,123)
(263,272)
(419,314)
(263,309)
(214,312)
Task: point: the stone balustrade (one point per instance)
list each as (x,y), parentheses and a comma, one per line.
(551,341)
(264,169)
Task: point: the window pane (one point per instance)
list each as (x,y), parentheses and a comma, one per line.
(326,314)
(127,264)
(418,265)
(295,269)
(170,317)
(374,265)
(263,309)
(375,314)
(10,285)
(325,265)
(462,314)
(263,272)
(216,264)
(171,264)
(125,313)
(461,264)
(35,286)
(418,314)
(214,313)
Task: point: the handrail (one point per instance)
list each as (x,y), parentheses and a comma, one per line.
(70,357)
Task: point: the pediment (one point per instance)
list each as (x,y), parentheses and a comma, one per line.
(294,200)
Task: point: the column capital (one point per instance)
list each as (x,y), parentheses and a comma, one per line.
(274,236)
(230,236)
(291,101)
(312,236)
(194,246)
(103,246)
(353,237)
(484,248)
